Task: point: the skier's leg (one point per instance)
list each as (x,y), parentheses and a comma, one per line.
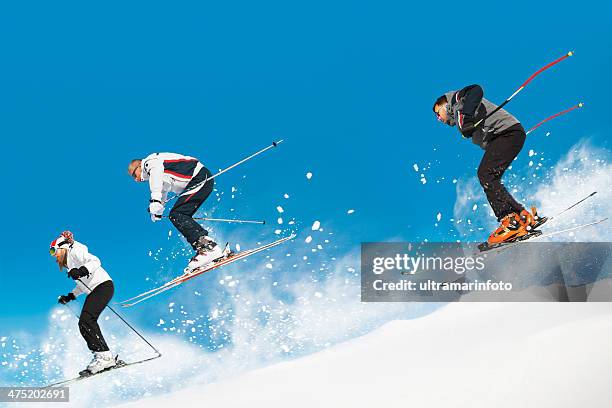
(184,208)
(499,155)
(95,302)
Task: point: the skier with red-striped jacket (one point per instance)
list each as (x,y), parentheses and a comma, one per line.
(502,137)
(190,180)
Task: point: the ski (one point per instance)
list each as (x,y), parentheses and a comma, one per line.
(119,364)
(537,234)
(485,246)
(190,275)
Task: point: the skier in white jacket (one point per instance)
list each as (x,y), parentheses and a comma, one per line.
(187,177)
(90,278)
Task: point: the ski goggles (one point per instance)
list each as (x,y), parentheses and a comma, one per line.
(55,248)
(64,240)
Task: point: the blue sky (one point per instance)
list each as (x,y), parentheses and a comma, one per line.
(348,85)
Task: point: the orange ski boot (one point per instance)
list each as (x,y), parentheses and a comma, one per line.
(525,218)
(531,220)
(509,229)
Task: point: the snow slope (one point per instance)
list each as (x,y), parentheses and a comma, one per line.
(465,355)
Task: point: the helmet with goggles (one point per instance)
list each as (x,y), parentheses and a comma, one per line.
(65,240)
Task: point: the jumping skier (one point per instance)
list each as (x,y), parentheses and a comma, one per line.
(501,136)
(90,278)
(171,172)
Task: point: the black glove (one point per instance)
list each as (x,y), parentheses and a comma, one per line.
(76,273)
(66,298)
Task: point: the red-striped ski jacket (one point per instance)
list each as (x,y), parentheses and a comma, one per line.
(168,172)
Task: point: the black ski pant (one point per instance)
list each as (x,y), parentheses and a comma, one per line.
(95,302)
(499,154)
(184,208)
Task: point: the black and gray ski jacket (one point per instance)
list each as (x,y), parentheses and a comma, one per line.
(469,101)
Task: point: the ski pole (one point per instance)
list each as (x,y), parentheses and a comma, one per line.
(200,184)
(78,317)
(580,105)
(123,320)
(71,311)
(572,206)
(535,74)
(225,220)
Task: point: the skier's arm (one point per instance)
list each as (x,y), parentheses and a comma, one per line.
(88,261)
(76,291)
(472,96)
(155,168)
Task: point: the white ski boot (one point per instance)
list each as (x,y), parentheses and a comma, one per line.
(102,360)
(208,252)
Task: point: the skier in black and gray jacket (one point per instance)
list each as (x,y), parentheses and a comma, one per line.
(501,136)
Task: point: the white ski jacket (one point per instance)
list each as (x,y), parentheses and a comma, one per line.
(168,172)
(78,256)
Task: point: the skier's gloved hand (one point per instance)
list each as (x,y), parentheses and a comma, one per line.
(156,209)
(466,124)
(76,273)
(63,299)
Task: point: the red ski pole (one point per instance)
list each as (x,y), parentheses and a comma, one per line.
(535,74)
(580,105)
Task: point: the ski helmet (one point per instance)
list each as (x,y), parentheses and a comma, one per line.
(65,240)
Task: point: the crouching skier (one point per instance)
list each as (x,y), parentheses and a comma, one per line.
(501,136)
(188,178)
(92,279)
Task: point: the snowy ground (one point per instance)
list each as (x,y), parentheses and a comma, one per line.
(465,355)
